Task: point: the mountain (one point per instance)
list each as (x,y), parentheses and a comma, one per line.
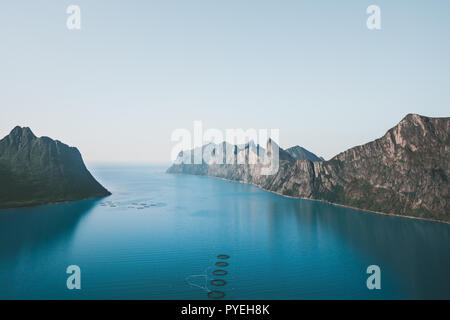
(234,162)
(405,172)
(299,153)
(36,171)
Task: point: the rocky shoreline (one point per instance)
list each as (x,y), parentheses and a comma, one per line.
(404,173)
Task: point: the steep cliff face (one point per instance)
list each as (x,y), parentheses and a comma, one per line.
(405,172)
(36,171)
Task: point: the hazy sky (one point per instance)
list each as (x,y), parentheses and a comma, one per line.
(137,70)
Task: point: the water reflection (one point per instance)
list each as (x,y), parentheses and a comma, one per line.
(280,247)
(415,252)
(32,229)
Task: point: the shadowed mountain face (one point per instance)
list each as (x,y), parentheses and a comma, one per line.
(299,153)
(35,171)
(405,172)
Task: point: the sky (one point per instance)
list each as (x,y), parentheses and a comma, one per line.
(138,70)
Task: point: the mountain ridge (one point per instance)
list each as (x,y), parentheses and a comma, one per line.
(405,172)
(300,153)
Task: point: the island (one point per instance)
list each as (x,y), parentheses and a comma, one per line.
(37,171)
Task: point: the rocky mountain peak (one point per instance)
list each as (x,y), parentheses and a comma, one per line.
(36,171)
(19,134)
(300,153)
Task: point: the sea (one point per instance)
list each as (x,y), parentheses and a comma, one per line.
(166,236)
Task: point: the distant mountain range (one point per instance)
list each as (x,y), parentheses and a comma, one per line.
(36,171)
(405,172)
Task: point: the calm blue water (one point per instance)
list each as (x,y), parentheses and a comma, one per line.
(159,235)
